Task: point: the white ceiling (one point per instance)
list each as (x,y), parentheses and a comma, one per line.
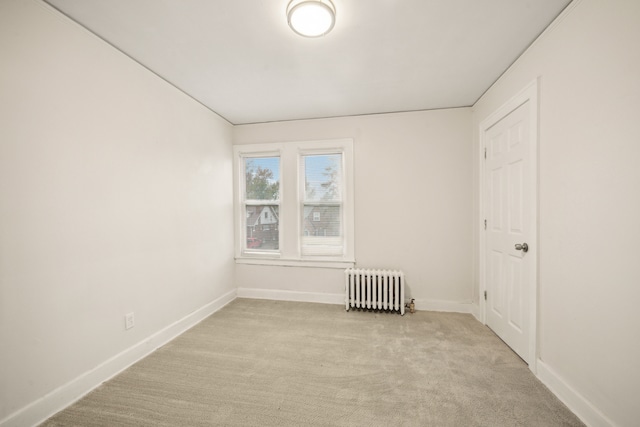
(241,60)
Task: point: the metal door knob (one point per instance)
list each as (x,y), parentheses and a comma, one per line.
(522,247)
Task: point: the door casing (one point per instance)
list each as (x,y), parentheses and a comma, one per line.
(528,94)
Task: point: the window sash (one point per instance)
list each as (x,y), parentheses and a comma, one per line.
(302,160)
(325,236)
(262,235)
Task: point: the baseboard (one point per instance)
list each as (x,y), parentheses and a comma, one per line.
(475,311)
(440,305)
(280,295)
(53,402)
(589,414)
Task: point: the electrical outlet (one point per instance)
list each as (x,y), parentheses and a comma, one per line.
(129,321)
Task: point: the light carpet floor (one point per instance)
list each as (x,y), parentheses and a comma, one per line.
(274,363)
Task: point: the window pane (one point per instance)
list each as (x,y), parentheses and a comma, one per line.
(323,177)
(322,230)
(262,227)
(262,178)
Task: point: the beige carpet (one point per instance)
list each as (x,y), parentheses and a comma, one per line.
(271,363)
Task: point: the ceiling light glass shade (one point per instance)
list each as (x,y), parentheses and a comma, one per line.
(311,18)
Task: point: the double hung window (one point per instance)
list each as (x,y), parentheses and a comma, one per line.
(322,204)
(261,203)
(294,203)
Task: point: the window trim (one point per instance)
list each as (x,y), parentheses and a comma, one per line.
(291,199)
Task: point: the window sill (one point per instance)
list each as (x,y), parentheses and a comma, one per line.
(338,264)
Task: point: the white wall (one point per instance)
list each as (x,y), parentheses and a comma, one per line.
(115,196)
(413,198)
(589,204)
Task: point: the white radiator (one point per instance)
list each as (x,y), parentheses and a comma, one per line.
(374,289)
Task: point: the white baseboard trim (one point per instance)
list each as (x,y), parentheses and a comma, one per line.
(280,295)
(440,305)
(589,414)
(475,311)
(53,402)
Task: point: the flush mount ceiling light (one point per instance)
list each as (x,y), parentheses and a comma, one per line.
(311,18)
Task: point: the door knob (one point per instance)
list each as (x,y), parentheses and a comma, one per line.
(522,247)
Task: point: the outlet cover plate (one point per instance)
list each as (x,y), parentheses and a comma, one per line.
(129,321)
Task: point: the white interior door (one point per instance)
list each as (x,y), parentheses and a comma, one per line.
(510,212)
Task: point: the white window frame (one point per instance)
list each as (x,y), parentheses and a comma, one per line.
(290,226)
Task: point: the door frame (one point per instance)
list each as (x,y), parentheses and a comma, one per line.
(528,94)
